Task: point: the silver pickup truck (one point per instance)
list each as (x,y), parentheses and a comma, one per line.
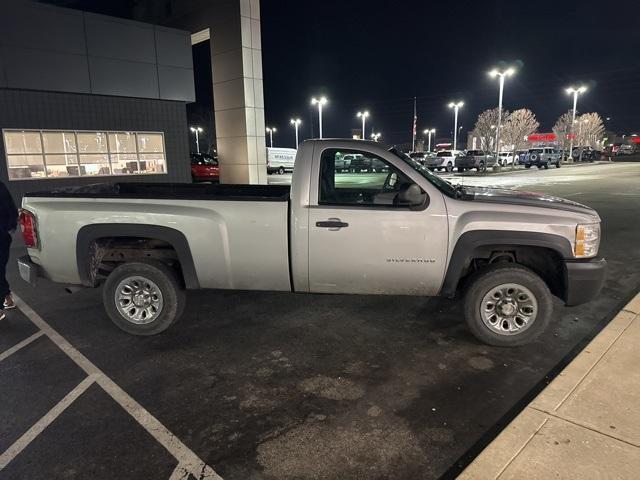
(401,231)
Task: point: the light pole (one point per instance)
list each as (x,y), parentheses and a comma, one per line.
(296,122)
(376,136)
(501,75)
(364,116)
(271,131)
(429,132)
(456,106)
(197,130)
(575,91)
(320,102)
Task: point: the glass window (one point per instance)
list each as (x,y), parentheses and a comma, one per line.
(62,166)
(367,181)
(122,142)
(22,142)
(59,142)
(150,143)
(92,142)
(152,163)
(61,154)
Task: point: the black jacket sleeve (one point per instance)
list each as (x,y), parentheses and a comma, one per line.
(8,210)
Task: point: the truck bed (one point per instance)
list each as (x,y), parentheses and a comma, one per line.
(178,191)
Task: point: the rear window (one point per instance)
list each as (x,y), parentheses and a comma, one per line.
(444,153)
(475,152)
(536,150)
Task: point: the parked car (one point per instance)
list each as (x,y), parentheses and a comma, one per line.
(364,163)
(625,150)
(280,160)
(443,160)
(542,157)
(204,167)
(520,155)
(478,159)
(506,158)
(585,154)
(343,162)
(418,157)
(508,253)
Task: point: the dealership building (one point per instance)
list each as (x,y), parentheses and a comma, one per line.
(87,98)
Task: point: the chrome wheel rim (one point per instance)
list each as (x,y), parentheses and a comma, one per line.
(138,300)
(509,309)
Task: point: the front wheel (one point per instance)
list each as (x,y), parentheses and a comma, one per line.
(558,164)
(143,298)
(482,167)
(507,305)
(449,167)
(281,171)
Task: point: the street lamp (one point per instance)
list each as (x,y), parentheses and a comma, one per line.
(429,132)
(320,102)
(296,122)
(197,130)
(456,106)
(271,131)
(575,91)
(364,116)
(501,75)
(376,136)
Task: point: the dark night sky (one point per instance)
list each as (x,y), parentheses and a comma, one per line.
(378,55)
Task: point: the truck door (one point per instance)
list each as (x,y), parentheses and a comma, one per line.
(363,239)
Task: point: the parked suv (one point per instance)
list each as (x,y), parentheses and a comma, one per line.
(478,159)
(585,154)
(542,157)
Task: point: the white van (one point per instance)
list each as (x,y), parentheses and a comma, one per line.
(280,159)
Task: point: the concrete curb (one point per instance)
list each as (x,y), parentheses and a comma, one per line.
(581,425)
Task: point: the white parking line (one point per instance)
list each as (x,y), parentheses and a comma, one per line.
(187,460)
(20,345)
(20,444)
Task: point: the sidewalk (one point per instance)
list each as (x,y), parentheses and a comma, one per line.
(585,424)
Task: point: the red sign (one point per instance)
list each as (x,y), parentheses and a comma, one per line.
(635,139)
(542,137)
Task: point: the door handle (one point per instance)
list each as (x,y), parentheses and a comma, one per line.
(332,224)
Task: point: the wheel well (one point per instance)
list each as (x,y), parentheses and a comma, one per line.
(545,262)
(106,253)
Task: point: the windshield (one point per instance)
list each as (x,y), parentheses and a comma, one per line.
(536,150)
(442,185)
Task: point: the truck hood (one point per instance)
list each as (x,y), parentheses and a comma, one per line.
(529,199)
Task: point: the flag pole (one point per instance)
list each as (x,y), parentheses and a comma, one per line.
(415,124)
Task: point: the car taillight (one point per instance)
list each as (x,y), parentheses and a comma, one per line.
(29,228)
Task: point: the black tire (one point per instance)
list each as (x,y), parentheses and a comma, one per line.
(173,296)
(481,167)
(546,166)
(281,171)
(449,167)
(558,164)
(483,281)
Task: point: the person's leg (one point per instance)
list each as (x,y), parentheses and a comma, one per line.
(5,290)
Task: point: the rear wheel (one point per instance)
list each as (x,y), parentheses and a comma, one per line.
(143,298)
(482,167)
(507,305)
(449,167)
(558,164)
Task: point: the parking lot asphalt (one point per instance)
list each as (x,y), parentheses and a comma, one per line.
(262,385)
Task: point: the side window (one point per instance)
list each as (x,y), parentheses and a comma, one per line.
(360,179)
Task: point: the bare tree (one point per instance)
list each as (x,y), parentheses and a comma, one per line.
(520,124)
(562,129)
(485,128)
(590,130)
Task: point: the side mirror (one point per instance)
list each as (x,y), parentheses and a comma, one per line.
(412,196)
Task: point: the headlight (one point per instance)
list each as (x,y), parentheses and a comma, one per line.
(587,240)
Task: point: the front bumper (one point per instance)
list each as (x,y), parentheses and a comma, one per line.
(29,271)
(584,280)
